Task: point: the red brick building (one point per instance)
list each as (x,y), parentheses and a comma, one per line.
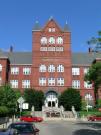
(51,66)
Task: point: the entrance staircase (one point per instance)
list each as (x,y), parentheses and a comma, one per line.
(57,112)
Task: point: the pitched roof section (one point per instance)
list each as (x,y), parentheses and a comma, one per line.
(36,26)
(26,58)
(52,23)
(84,58)
(66,28)
(19,57)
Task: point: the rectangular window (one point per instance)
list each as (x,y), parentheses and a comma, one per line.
(25,83)
(51,81)
(87,85)
(42,81)
(76,84)
(14,70)
(26,71)
(43,48)
(14,83)
(51,48)
(75,71)
(60,81)
(86,70)
(60,49)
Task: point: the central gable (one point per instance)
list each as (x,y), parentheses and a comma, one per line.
(51,26)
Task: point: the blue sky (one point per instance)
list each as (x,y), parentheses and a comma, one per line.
(17,18)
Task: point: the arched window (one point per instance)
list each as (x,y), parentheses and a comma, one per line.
(59,40)
(51,40)
(89,100)
(42,68)
(60,68)
(43,40)
(51,68)
(88,96)
(0,67)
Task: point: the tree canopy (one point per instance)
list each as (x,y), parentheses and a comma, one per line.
(8,98)
(95,43)
(34,98)
(70,97)
(94,76)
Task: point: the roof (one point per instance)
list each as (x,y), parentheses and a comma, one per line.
(18,57)
(84,58)
(38,28)
(26,57)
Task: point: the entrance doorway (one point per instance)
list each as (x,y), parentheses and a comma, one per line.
(51,99)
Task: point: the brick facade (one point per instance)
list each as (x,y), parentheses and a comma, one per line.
(47,58)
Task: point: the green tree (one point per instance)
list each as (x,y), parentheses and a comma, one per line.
(8,98)
(34,98)
(95,43)
(3,111)
(94,76)
(70,97)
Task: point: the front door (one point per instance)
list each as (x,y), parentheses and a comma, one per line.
(51,99)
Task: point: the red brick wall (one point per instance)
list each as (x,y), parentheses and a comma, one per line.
(54,58)
(4,72)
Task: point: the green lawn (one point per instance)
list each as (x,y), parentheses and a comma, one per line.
(85,113)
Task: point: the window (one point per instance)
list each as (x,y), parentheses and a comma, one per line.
(14,70)
(88,96)
(43,48)
(42,68)
(87,85)
(42,81)
(76,84)
(59,40)
(51,68)
(75,71)
(43,41)
(59,49)
(51,29)
(60,81)
(51,81)
(0,81)
(60,68)
(51,48)
(25,83)
(86,70)
(26,71)
(51,40)
(14,83)
(0,67)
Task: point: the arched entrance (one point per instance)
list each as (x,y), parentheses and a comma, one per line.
(51,99)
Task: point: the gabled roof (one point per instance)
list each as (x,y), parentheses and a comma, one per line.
(52,21)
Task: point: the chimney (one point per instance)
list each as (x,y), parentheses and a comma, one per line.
(11,48)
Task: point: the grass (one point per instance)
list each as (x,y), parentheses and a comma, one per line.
(85,113)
